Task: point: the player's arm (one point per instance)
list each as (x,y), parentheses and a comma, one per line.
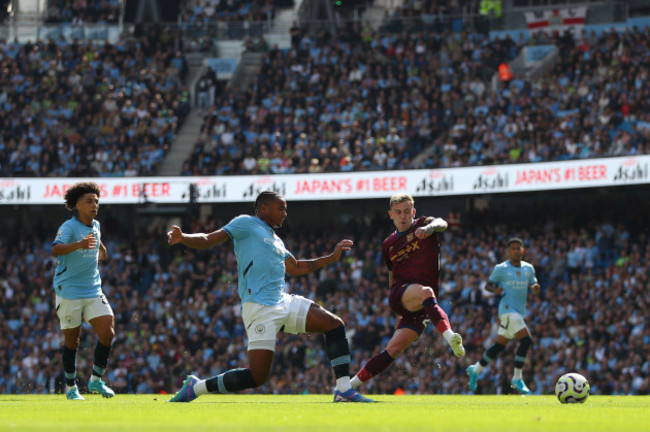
(102,252)
(535,288)
(296,267)
(433,225)
(88,242)
(198,240)
(494,288)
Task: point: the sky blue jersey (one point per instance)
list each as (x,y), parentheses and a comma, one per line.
(77,273)
(515,282)
(260,260)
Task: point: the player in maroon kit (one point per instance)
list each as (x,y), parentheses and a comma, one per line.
(412,255)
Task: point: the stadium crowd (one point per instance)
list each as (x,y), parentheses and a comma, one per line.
(75,109)
(369,100)
(177,310)
(80,12)
(365,100)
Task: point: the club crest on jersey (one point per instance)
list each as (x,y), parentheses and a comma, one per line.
(259,329)
(518,273)
(409,237)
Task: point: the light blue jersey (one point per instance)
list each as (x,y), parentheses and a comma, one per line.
(515,282)
(260,260)
(77,273)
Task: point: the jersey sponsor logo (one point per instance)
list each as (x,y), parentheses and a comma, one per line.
(405,252)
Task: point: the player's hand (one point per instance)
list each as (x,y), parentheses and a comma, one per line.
(175,235)
(343,245)
(420,233)
(88,242)
(535,288)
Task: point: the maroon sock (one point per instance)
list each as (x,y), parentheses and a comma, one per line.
(437,316)
(375,366)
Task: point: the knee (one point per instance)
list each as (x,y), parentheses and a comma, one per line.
(526,342)
(334,322)
(107,335)
(427,293)
(72,344)
(260,377)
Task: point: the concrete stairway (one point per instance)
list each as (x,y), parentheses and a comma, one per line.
(182,145)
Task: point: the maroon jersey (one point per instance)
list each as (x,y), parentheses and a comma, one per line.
(413,260)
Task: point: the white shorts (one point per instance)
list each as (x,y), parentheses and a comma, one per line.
(511,323)
(263,322)
(70,312)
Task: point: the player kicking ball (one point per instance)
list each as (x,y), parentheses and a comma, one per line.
(511,280)
(267,309)
(411,254)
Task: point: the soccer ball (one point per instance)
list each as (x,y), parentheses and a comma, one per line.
(572,388)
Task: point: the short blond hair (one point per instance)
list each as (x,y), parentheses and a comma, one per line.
(400,198)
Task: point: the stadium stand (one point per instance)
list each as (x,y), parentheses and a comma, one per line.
(73,109)
(177,311)
(79,12)
(374,101)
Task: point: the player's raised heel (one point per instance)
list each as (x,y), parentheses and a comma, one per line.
(73,394)
(457,347)
(520,386)
(350,396)
(99,386)
(186,393)
(473,377)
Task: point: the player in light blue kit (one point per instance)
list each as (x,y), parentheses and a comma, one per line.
(510,280)
(78,287)
(262,261)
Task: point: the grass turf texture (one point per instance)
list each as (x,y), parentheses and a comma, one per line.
(317,413)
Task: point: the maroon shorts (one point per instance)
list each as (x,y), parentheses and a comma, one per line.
(416,321)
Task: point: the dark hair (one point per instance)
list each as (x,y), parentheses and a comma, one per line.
(78,190)
(515,240)
(266,197)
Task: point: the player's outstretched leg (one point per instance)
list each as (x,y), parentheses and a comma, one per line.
(520,386)
(350,396)
(99,386)
(186,393)
(473,377)
(73,393)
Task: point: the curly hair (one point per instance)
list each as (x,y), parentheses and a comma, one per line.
(78,190)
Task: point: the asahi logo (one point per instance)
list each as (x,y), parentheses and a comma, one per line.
(264,184)
(206,190)
(491,179)
(631,170)
(435,182)
(14,194)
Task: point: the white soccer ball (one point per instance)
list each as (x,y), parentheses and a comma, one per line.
(572,388)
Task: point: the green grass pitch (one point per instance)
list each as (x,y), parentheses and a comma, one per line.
(53,413)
